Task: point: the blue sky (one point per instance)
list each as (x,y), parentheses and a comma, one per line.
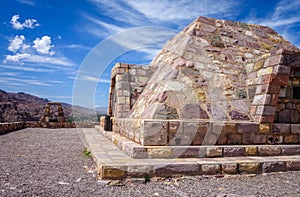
(45,45)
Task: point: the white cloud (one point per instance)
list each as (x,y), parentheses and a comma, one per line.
(8,73)
(23,53)
(76,46)
(31,58)
(108,27)
(159,11)
(26,81)
(94,79)
(284,18)
(124,12)
(62,61)
(16,58)
(284,15)
(43,45)
(28,23)
(138,13)
(17,43)
(30,69)
(27,2)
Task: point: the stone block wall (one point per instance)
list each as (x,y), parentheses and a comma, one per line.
(127,83)
(216,82)
(271,79)
(11,126)
(288,105)
(196,133)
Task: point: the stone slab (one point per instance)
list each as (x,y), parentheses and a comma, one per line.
(138,151)
(112,163)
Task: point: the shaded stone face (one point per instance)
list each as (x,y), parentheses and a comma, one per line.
(193,111)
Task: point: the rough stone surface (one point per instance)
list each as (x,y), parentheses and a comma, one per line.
(173,170)
(250,168)
(155,133)
(234,151)
(214,152)
(230,168)
(210,169)
(251,150)
(215,72)
(269,150)
(274,167)
(293,165)
(159,152)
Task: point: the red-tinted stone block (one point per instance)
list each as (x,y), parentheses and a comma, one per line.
(247,128)
(290,150)
(178,169)
(234,139)
(222,139)
(274,99)
(293,165)
(234,151)
(259,139)
(281,128)
(279,79)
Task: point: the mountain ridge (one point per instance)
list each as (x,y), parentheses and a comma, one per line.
(21,106)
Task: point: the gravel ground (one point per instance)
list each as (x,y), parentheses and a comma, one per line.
(45,162)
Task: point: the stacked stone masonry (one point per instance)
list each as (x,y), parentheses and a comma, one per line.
(55,125)
(127,83)
(11,126)
(184,133)
(138,151)
(216,82)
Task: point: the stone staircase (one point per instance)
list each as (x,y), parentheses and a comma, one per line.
(119,158)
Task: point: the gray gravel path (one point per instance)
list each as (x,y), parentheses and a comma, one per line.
(45,162)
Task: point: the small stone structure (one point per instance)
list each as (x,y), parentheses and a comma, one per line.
(216,82)
(48,122)
(47,113)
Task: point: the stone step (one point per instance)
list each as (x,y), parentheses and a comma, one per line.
(138,151)
(112,163)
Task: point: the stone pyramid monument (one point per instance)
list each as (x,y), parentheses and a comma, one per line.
(216,82)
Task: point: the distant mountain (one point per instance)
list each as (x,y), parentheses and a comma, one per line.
(101,110)
(25,107)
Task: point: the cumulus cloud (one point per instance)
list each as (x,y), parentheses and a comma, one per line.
(43,45)
(28,23)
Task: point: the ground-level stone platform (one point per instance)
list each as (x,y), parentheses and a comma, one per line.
(112,163)
(138,151)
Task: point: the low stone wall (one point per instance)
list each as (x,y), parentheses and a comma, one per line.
(188,132)
(55,125)
(11,126)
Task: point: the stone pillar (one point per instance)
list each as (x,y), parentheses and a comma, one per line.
(273,75)
(46,115)
(60,115)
